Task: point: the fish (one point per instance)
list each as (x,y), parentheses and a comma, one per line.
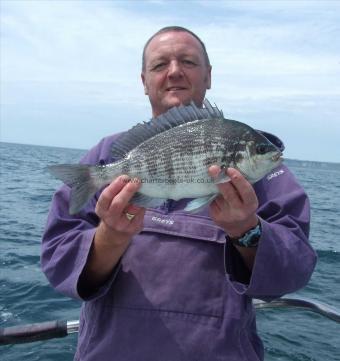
(171,154)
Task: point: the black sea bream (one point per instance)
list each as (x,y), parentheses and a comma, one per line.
(171,155)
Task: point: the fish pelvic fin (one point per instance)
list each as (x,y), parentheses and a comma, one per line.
(198,204)
(222,178)
(174,117)
(84,180)
(142,200)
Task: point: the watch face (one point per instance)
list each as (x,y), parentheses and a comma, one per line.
(251,241)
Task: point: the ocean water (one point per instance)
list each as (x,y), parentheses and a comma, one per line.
(26,296)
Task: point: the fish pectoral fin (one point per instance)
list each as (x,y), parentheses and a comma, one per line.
(142,200)
(222,178)
(197,204)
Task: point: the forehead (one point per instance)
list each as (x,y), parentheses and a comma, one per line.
(173,43)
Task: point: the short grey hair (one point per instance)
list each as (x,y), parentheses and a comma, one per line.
(168,29)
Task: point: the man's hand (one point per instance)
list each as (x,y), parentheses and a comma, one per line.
(112,208)
(114,233)
(234,209)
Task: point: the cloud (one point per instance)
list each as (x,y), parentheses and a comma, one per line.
(64,60)
(70,40)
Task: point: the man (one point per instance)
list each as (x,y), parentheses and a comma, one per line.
(161,284)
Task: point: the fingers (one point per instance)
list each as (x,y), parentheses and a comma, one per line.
(111,191)
(138,217)
(237,192)
(130,225)
(132,213)
(112,208)
(243,188)
(214,171)
(234,209)
(132,209)
(215,210)
(229,193)
(115,198)
(122,198)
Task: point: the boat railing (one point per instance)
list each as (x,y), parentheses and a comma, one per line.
(304,303)
(55,329)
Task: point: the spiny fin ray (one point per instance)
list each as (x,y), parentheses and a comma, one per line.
(172,118)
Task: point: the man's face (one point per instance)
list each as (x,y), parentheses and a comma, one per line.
(175,71)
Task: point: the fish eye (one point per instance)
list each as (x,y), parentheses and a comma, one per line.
(261,148)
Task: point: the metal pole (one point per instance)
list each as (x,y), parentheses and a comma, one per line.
(54,329)
(309,305)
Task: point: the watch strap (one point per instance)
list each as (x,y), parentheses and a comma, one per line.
(249,239)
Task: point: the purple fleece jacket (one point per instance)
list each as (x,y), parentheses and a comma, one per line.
(181,291)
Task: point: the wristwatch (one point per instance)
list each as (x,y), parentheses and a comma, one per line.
(249,239)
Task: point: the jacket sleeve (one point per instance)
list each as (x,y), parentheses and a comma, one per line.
(284,260)
(67,239)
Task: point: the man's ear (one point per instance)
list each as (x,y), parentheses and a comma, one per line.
(144,83)
(208,80)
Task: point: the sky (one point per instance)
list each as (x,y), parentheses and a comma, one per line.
(70,69)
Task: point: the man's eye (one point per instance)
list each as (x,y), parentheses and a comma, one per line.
(158,66)
(189,62)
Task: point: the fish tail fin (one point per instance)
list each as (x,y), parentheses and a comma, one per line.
(84,180)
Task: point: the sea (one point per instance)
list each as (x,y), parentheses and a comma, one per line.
(26,296)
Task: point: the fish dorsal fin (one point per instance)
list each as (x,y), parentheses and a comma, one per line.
(172,118)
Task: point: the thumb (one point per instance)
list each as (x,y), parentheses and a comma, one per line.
(214,171)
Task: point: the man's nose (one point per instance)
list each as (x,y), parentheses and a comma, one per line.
(175,69)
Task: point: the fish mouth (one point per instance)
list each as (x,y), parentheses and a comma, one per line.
(277,157)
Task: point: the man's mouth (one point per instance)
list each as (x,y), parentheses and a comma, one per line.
(175,88)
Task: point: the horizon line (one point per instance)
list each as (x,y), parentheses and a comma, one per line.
(85,150)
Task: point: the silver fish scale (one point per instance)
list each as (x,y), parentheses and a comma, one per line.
(171,155)
(176,161)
